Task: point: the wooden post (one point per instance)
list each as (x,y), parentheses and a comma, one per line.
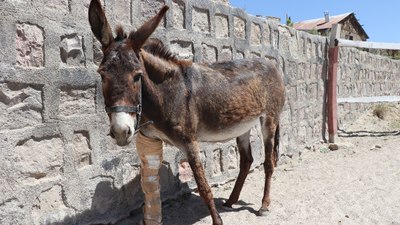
(332,82)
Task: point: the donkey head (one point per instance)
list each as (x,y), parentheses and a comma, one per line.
(121,70)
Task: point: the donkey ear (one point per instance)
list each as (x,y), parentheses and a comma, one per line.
(98,23)
(139,37)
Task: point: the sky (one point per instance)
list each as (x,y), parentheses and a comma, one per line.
(380,18)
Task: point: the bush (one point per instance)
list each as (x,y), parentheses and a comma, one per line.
(380,111)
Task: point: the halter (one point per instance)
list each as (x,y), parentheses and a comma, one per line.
(132,109)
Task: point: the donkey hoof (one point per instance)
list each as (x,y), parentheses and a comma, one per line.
(262,212)
(227,207)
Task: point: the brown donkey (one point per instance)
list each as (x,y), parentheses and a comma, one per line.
(147,88)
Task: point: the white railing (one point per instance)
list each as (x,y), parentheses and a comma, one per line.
(365,44)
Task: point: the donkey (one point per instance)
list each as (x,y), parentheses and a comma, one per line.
(148,89)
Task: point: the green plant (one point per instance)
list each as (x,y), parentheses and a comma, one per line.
(289,21)
(396,55)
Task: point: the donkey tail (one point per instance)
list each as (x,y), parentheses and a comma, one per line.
(276,145)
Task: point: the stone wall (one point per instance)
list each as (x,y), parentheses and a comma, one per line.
(57,164)
(364,80)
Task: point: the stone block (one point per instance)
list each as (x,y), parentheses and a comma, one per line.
(11,211)
(302,93)
(308,48)
(122,168)
(184,171)
(217,165)
(61,6)
(221,26)
(29,45)
(77,102)
(312,71)
(224,2)
(183,49)
(302,70)
(292,92)
(294,48)
(266,34)
(82,149)
(18,1)
(239,55)
(284,39)
(239,25)
(291,72)
(231,159)
(20,106)
(97,52)
(150,8)
(318,50)
(122,11)
(37,158)
(225,54)
(201,20)
(71,50)
(275,39)
(208,53)
(49,207)
(255,37)
(178,14)
(86,3)
(255,55)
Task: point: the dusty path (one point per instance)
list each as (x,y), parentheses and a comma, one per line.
(358,184)
(353,185)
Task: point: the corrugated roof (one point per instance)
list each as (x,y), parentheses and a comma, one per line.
(320,24)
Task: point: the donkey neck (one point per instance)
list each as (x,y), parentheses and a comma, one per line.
(157,70)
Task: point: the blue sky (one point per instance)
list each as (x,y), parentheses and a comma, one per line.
(380,18)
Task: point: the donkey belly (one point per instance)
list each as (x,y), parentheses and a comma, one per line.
(226,133)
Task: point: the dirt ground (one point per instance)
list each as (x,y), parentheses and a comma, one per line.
(357,184)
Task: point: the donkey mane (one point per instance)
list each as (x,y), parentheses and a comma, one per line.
(153,46)
(157,48)
(121,35)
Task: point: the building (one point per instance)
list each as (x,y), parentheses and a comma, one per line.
(351,28)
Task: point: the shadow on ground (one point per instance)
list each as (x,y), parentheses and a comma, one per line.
(111,205)
(190,209)
(187,210)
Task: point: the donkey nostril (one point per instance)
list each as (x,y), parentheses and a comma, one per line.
(129,132)
(112,134)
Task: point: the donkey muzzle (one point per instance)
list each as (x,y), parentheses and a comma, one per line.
(122,128)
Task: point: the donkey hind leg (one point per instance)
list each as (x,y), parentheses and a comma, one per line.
(269,128)
(276,153)
(193,154)
(246,159)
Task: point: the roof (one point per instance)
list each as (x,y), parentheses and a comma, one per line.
(320,24)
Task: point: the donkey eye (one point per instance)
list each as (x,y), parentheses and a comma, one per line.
(137,77)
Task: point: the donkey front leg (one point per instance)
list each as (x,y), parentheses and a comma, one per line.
(193,154)
(150,153)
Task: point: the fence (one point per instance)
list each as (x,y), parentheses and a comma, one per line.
(365,97)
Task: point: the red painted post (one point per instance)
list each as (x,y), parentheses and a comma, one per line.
(332,82)
(332,93)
